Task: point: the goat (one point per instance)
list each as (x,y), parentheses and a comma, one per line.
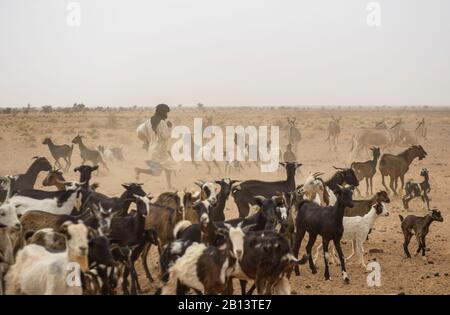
(420,227)
(413,190)
(263,256)
(48,238)
(28,179)
(87,154)
(57,202)
(244,193)
(366,170)
(225,190)
(342,176)
(55,178)
(357,228)
(326,222)
(119,205)
(130,231)
(203,268)
(37,271)
(264,219)
(334,130)
(8,219)
(63,151)
(313,188)
(362,207)
(111,154)
(396,166)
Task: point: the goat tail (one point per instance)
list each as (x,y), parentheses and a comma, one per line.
(401,217)
(180,227)
(296,261)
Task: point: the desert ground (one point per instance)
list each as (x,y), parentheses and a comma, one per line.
(21,136)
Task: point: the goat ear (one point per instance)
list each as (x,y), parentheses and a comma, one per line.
(283,164)
(63,228)
(76,169)
(297,165)
(95,167)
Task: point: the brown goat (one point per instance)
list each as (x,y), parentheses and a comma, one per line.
(366,170)
(362,207)
(419,226)
(396,166)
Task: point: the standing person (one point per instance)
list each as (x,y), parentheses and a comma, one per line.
(159,151)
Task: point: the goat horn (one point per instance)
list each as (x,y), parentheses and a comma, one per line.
(338,168)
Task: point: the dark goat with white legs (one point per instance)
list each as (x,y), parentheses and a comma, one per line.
(245,192)
(88,154)
(326,222)
(420,227)
(28,179)
(366,170)
(396,166)
(413,190)
(63,151)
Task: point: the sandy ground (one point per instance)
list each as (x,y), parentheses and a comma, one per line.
(21,136)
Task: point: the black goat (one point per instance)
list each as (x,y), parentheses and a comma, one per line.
(87,154)
(130,231)
(245,192)
(28,179)
(420,226)
(217,211)
(326,222)
(413,190)
(119,205)
(63,151)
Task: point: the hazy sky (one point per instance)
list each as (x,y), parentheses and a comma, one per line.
(227,52)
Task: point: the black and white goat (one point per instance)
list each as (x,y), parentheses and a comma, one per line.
(413,190)
(57,202)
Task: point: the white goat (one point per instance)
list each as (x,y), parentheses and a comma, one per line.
(59,202)
(8,219)
(356,230)
(313,188)
(38,271)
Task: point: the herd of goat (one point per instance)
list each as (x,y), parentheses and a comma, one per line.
(42,233)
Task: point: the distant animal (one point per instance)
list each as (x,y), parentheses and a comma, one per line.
(63,151)
(293,134)
(396,166)
(334,130)
(413,190)
(421,130)
(87,154)
(366,170)
(420,227)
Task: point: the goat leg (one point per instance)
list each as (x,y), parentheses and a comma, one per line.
(337,245)
(144,256)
